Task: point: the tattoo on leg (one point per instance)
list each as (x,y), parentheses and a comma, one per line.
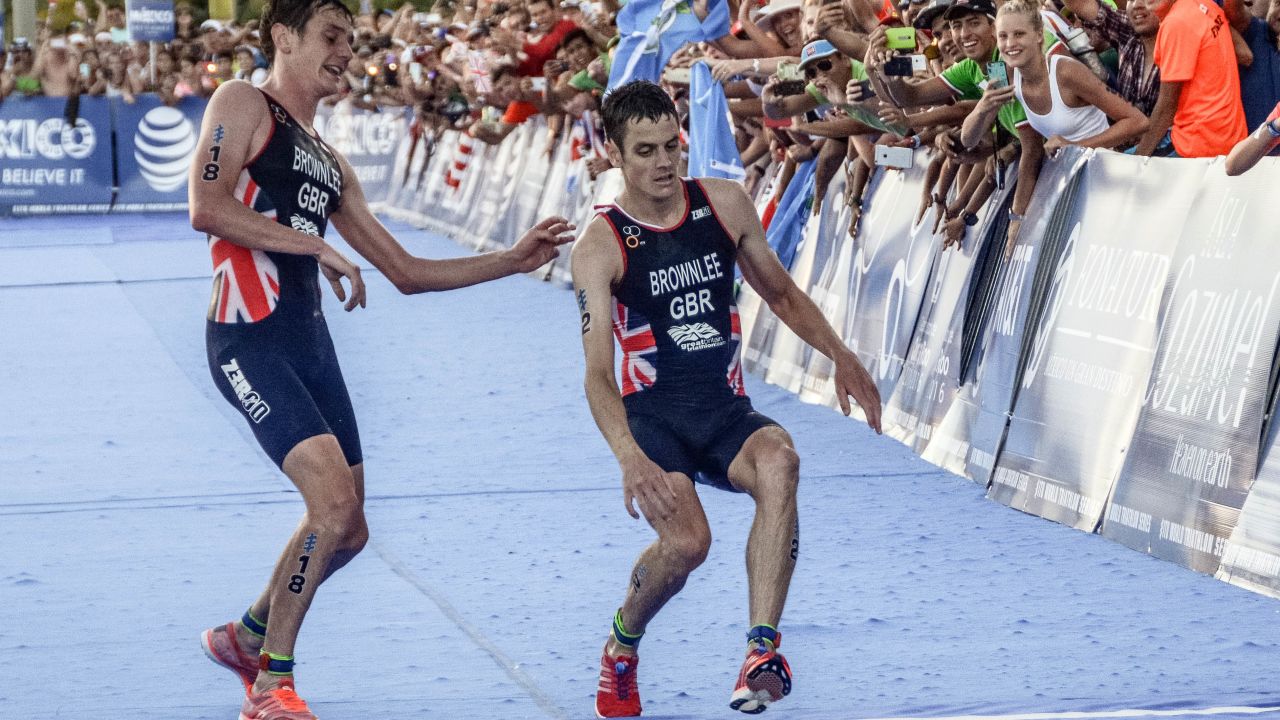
(582,308)
(299,579)
(638,576)
(795,542)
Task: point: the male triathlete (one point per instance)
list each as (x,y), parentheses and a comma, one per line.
(264,187)
(656,271)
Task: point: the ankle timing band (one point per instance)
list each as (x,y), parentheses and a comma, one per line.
(620,632)
(765,634)
(252,624)
(276,664)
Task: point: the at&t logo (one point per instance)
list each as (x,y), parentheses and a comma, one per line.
(163,146)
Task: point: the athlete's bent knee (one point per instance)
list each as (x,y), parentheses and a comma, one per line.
(345,525)
(689,550)
(778,472)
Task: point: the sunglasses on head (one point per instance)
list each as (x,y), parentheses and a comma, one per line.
(812,71)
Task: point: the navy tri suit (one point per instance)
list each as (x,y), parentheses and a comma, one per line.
(267,342)
(675,319)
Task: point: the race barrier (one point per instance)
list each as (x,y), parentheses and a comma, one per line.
(1114,370)
(134,157)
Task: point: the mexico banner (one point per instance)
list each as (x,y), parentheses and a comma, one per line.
(48,165)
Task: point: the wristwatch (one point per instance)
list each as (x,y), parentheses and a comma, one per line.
(1013,216)
(1271,128)
(970,219)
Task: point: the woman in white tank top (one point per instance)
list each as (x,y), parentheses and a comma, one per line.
(1064,101)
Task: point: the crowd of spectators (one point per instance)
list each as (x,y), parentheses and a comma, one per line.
(978,82)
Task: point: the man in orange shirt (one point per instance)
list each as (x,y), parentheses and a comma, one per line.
(1199,104)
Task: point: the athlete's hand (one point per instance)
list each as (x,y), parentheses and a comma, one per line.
(335,267)
(853,380)
(537,247)
(655,488)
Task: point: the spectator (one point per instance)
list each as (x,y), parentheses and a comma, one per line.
(57,71)
(1199,106)
(1133,35)
(1063,100)
(548,31)
(248,66)
(1260,80)
(184,22)
(1250,150)
(21,77)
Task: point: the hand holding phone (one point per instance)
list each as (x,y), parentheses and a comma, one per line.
(894,157)
(997,75)
(900,38)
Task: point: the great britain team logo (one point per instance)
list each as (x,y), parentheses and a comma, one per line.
(162,146)
(696,336)
(302,224)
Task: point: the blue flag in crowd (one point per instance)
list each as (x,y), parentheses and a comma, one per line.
(712,150)
(653,30)
(787,227)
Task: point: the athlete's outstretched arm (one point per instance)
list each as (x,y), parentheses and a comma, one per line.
(597,265)
(411,274)
(236,126)
(761,269)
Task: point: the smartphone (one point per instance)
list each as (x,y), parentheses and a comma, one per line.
(900,38)
(788,71)
(894,157)
(678,76)
(997,75)
(919,63)
(899,66)
(84,70)
(866,91)
(415,72)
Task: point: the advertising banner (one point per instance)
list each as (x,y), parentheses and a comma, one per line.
(1251,556)
(822,241)
(1094,346)
(149,20)
(931,371)
(969,436)
(1195,449)
(49,166)
(154,150)
(368,140)
(892,261)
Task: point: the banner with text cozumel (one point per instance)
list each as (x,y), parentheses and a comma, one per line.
(50,166)
(368,140)
(969,436)
(155,144)
(1195,450)
(1092,353)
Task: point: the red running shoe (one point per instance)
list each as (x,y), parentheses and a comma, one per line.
(221,646)
(278,703)
(765,678)
(617,694)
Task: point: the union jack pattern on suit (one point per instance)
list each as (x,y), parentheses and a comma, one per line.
(639,349)
(735,341)
(246,283)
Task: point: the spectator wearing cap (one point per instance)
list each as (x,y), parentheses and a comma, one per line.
(549,30)
(972,24)
(20,77)
(1133,34)
(774,31)
(1199,104)
(248,66)
(1064,101)
(1260,79)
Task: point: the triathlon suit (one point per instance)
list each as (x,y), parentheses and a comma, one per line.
(676,321)
(268,345)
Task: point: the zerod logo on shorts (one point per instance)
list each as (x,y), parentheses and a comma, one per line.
(162,146)
(696,336)
(254,406)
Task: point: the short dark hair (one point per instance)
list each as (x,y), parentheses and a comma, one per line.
(293,14)
(575,34)
(637,100)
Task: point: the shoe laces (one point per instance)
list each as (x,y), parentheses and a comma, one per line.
(289,699)
(624,680)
